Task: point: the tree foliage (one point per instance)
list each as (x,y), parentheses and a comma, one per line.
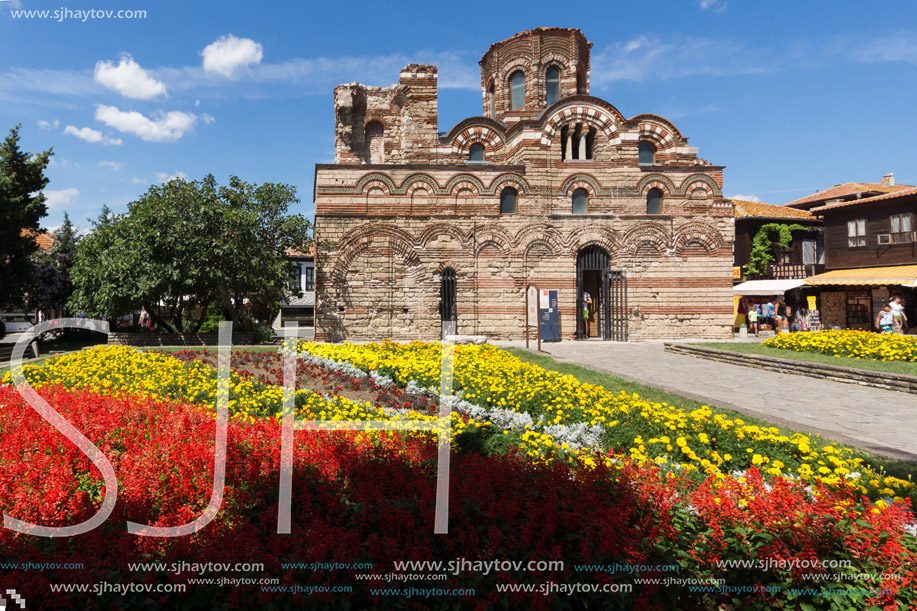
(22,205)
(762,246)
(191,244)
(52,285)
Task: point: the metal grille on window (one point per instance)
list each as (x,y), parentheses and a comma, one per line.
(448,309)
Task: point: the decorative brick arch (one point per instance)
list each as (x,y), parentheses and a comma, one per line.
(415,181)
(464,181)
(657,130)
(657,181)
(440,229)
(509,180)
(492,234)
(696,232)
(447,264)
(482,134)
(652,235)
(538,244)
(375,180)
(584,181)
(581,237)
(580,112)
(558,60)
(700,181)
(542,232)
(364,237)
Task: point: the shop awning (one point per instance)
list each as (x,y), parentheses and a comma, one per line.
(766,288)
(903,275)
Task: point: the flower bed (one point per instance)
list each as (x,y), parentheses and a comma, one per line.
(700,440)
(850,344)
(360,499)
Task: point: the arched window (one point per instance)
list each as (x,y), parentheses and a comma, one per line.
(517,90)
(647,153)
(553,86)
(654,201)
(508,201)
(476,152)
(580,83)
(493,102)
(580,201)
(374,144)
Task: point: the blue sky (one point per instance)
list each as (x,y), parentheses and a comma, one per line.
(792,97)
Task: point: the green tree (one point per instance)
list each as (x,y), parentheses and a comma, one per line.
(762,246)
(185,245)
(52,285)
(22,205)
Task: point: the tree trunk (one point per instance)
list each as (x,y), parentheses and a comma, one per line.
(200,321)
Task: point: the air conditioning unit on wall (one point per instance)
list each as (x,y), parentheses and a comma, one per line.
(885,238)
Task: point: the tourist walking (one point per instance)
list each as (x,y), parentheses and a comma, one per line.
(898,313)
(753,319)
(780,316)
(885,321)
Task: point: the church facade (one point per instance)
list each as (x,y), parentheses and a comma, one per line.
(550,186)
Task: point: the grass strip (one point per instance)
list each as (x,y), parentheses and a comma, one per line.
(899,367)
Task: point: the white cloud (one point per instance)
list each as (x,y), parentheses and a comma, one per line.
(48,125)
(163,177)
(168,127)
(653,58)
(128,79)
(137,181)
(114,165)
(61,197)
(207,118)
(746,198)
(90,135)
(227,54)
(712,5)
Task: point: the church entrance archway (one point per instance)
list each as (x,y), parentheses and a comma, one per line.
(601,296)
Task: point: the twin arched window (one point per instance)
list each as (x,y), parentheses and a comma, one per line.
(646,153)
(552,79)
(580,201)
(508,200)
(476,152)
(517,90)
(654,201)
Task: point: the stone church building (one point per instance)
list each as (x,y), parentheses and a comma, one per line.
(549,186)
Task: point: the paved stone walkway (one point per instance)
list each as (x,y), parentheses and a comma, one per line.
(880,421)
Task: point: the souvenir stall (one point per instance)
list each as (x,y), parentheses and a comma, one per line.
(764,295)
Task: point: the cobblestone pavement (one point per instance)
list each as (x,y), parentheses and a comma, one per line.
(880,421)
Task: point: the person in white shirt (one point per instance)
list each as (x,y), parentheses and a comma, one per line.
(898,313)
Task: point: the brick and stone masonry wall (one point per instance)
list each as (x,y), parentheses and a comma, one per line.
(403,202)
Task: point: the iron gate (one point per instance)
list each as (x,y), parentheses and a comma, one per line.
(448,312)
(611,314)
(614,289)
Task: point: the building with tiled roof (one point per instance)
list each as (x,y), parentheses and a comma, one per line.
(871,256)
(44,239)
(749,209)
(804,257)
(848,192)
